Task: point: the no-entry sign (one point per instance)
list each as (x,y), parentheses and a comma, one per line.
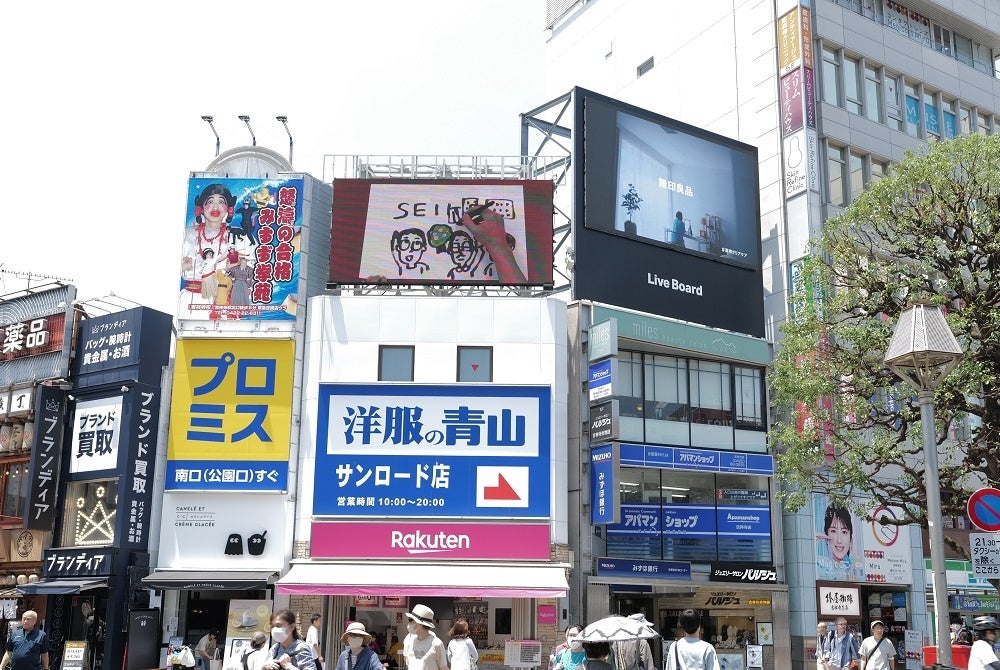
(984,509)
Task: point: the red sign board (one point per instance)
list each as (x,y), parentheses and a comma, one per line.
(984,509)
(32,337)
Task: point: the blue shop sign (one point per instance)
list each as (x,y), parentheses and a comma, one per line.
(701,460)
(624,567)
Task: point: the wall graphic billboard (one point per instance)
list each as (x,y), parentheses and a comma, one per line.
(851,549)
(415,231)
(393,450)
(230,416)
(667,217)
(240,256)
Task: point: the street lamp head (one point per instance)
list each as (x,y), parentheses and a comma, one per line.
(923,350)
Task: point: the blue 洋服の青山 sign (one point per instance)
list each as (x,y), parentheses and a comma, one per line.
(604,499)
(702,460)
(625,567)
(394,450)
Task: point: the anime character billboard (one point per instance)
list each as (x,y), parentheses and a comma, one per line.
(240,255)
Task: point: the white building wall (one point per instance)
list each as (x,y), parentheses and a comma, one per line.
(344,333)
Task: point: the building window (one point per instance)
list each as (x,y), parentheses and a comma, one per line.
(852,87)
(963,50)
(89,513)
(912,110)
(856,169)
(831,77)
(644,68)
(873,94)
(931,114)
(14,490)
(964,120)
(879,169)
(836,167)
(949,120)
(893,102)
(983,127)
(475,364)
(942,39)
(749,397)
(395,364)
(665,402)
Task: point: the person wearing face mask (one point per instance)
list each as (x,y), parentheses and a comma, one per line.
(289,651)
(358,655)
(421,647)
(573,655)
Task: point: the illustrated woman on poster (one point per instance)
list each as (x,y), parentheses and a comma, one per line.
(838,544)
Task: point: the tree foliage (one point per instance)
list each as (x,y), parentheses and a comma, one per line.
(930,230)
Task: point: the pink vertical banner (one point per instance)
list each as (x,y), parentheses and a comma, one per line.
(546,614)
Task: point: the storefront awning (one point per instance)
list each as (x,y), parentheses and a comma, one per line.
(209,580)
(455,580)
(49,587)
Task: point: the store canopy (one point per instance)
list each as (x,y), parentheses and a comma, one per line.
(456,580)
(50,587)
(209,580)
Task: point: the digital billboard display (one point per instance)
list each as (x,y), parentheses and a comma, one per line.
(442,231)
(667,217)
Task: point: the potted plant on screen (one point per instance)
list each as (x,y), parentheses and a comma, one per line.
(630,201)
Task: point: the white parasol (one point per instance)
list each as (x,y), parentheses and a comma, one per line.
(617,629)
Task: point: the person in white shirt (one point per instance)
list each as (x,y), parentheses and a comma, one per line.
(255,657)
(421,648)
(877,652)
(691,652)
(982,656)
(312,639)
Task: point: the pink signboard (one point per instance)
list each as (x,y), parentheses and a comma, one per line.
(432,541)
(546,614)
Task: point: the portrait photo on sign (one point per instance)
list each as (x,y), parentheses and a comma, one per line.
(839,554)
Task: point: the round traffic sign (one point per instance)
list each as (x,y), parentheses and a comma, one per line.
(984,509)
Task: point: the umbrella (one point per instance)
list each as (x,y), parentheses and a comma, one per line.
(617,629)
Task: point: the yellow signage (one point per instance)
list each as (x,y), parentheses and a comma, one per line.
(231,401)
(789,42)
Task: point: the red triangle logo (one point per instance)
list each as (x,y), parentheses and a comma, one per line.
(502,491)
(475,367)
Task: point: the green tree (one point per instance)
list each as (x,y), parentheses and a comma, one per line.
(930,230)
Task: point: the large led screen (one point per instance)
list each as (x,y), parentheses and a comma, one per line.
(667,217)
(434,231)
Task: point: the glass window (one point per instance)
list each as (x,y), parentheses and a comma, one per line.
(852,88)
(949,125)
(749,396)
(835,167)
(873,94)
(831,77)
(964,120)
(942,39)
(630,402)
(983,121)
(879,169)
(931,110)
(893,102)
(912,110)
(856,168)
(711,405)
(963,49)
(666,400)
(982,58)
(475,364)
(89,513)
(395,364)
(15,489)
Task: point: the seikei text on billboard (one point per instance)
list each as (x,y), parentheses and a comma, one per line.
(231,416)
(667,217)
(442,231)
(391,450)
(240,255)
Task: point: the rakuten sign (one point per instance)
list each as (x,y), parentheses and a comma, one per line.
(453,541)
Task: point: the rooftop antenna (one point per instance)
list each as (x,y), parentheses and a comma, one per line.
(246,119)
(208,120)
(284,122)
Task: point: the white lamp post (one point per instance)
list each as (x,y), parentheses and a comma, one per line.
(924,351)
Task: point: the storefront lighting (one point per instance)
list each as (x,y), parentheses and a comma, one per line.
(208,120)
(246,119)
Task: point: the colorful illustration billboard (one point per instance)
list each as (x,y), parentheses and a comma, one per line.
(230,418)
(392,450)
(442,231)
(666,218)
(240,256)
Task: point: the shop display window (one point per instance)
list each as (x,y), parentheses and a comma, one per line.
(89,513)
